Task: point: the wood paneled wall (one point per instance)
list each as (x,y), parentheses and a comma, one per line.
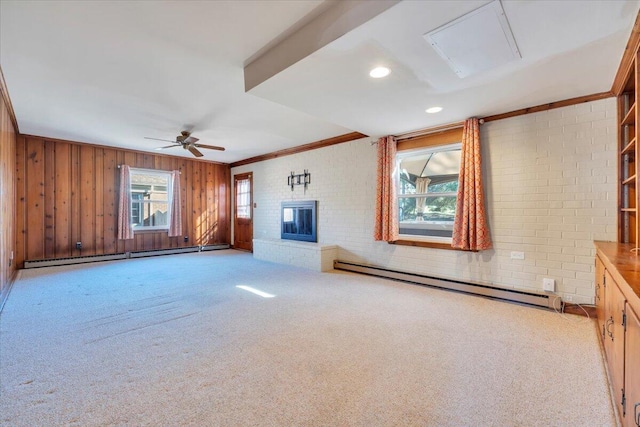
(67,192)
(8,136)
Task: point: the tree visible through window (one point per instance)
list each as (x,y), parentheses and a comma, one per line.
(150,199)
(427,188)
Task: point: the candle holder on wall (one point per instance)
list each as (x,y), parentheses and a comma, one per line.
(299,179)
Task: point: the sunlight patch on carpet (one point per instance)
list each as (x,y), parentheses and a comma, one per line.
(255,291)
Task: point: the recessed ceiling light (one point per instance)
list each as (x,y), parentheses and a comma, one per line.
(433,110)
(379,72)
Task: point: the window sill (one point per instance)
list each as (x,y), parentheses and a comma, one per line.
(423,244)
(160,230)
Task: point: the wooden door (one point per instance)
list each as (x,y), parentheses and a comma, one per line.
(614,337)
(600,298)
(632,370)
(243,212)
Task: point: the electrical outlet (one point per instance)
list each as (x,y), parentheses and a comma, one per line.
(568,298)
(548,285)
(517,255)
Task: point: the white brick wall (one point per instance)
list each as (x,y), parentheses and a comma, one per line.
(550,181)
(314,256)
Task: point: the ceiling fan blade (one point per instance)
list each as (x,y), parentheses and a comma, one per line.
(194,151)
(210,147)
(190,140)
(167,146)
(158,139)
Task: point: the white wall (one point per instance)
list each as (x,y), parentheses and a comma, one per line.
(550,181)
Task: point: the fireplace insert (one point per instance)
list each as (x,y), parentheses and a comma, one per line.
(298,221)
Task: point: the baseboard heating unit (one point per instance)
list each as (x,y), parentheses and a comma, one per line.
(125,255)
(551,301)
(156,252)
(72,260)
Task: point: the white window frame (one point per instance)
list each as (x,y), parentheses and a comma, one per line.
(158,173)
(421,151)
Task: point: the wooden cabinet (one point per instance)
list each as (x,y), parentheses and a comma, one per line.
(617,306)
(628,167)
(614,338)
(632,373)
(600,292)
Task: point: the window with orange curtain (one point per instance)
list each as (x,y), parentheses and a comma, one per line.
(427,184)
(427,188)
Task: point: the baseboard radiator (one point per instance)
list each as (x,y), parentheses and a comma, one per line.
(125,255)
(531,298)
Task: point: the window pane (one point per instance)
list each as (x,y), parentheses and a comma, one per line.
(154,214)
(243,198)
(427,188)
(436,218)
(150,199)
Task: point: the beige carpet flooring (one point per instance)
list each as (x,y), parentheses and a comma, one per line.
(171,341)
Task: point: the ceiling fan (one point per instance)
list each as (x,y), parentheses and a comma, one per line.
(187,142)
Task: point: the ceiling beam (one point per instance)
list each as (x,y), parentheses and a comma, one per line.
(337,20)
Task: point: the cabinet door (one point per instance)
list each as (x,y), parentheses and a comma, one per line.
(614,337)
(632,370)
(600,297)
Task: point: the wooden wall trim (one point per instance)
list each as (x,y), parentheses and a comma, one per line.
(112,147)
(8,144)
(357,135)
(4,92)
(550,106)
(627,58)
(301,148)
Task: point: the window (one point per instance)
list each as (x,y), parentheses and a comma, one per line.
(427,186)
(150,199)
(243,198)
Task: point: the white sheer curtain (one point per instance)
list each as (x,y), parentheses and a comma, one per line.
(175,226)
(125,227)
(422,184)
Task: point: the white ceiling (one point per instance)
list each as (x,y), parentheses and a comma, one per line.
(112,73)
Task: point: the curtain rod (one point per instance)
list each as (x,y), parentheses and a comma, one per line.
(151,170)
(428,131)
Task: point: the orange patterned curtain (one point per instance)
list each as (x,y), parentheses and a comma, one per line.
(386,226)
(125,228)
(470,230)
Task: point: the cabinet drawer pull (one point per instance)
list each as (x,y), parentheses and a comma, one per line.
(636,414)
(609,323)
(597,291)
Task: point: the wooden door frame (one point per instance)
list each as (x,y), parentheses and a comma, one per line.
(236,178)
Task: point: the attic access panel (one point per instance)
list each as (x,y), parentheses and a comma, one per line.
(475,42)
